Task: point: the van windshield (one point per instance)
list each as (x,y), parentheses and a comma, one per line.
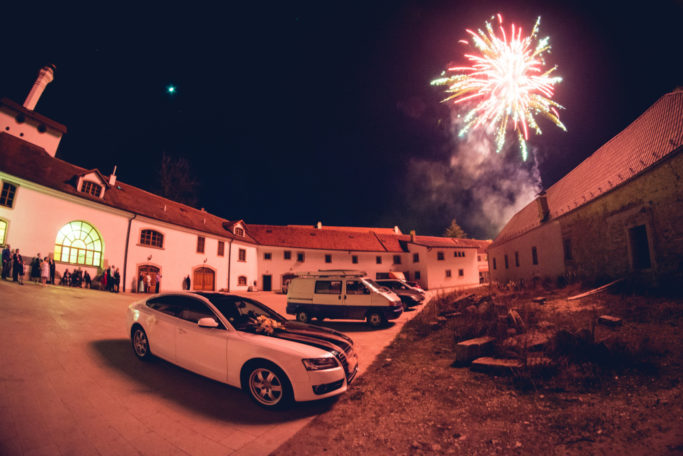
(372,284)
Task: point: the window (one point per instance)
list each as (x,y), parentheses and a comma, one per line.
(151,238)
(356,287)
(354,259)
(194,310)
(640,248)
(328,286)
(417,275)
(7,195)
(242,255)
(378,259)
(567,244)
(3,232)
(517,259)
(242,281)
(439,256)
(300,257)
(239,231)
(461,272)
(221,248)
(397,259)
(448,272)
(478,257)
(494,263)
(328,258)
(288,254)
(91,188)
(416,257)
(506,261)
(79,242)
(267,255)
(200,244)
(534,255)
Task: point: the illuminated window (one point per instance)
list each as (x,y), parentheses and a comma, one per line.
(3,231)
(91,188)
(151,238)
(79,243)
(7,195)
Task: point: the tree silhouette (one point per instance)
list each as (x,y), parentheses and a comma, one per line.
(454,231)
(176,180)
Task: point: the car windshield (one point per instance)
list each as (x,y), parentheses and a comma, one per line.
(373,285)
(241,312)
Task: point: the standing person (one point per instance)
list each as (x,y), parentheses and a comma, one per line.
(18,268)
(104,279)
(87,279)
(148,282)
(35,269)
(158,284)
(52,270)
(44,271)
(141,283)
(117,280)
(6,261)
(187,282)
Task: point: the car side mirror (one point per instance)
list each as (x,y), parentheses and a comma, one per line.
(207,322)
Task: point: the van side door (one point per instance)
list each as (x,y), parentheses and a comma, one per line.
(357,299)
(327,298)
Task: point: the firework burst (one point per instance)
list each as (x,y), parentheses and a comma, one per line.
(507,83)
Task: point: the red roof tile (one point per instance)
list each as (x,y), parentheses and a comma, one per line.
(656,134)
(357,229)
(313,238)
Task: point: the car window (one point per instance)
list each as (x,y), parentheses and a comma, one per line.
(356,287)
(193,310)
(328,286)
(165,304)
(239,311)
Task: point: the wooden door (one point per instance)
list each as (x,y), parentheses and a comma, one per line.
(204,279)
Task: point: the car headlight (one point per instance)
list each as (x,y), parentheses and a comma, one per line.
(313,364)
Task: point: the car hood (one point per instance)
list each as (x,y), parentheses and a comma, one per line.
(317,336)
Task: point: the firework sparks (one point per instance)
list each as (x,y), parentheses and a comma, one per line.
(506,82)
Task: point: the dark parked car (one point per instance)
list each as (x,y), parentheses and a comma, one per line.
(409,296)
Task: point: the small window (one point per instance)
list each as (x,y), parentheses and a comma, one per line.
(200,244)
(439,256)
(91,188)
(354,259)
(7,195)
(328,287)
(221,248)
(242,255)
(397,259)
(448,272)
(288,255)
(534,255)
(506,262)
(378,259)
(239,231)
(242,281)
(328,258)
(3,232)
(461,272)
(417,275)
(494,263)
(356,287)
(416,257)
(300,257)
(517,259)
(151,238)
(267,255)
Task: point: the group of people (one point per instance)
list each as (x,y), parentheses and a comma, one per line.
(13,265)
(145,282)
(42,270)
(111,281)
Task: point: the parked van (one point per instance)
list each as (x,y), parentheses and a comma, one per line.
(340,293)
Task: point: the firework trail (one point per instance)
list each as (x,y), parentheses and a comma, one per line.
(506,83)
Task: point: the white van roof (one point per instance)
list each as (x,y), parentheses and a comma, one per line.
(332,273)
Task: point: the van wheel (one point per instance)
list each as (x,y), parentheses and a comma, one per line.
(302,316)
(376,319)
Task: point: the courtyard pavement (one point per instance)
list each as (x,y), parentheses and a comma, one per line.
(71,385)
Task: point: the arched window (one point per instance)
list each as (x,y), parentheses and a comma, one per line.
(3,231)
(151,238)
(79,243)
(242,281)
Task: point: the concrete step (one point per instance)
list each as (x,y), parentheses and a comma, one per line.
(532,341)
(467,350)
(609,320)
(506,366)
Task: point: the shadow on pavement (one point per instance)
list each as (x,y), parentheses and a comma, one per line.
(197,393)
(350,326)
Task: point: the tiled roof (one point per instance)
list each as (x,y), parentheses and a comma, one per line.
(313,238)
(442,242)
(656,134)
(27,161)
(356,229)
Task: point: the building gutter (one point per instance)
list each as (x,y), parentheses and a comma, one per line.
(229,261)
(125,253)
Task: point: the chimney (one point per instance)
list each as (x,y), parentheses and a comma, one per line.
(112,177)
(319,226)
(542,203)
(412,235)
(396,229)
(45,76)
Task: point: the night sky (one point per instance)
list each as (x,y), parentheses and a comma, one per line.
(321,111)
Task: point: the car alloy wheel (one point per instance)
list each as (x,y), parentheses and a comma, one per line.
(266,387)
(375,319)
(140,343)
(302,316)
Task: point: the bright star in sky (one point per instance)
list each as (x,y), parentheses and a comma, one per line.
(170,89)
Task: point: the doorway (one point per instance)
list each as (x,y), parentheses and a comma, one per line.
(204,279)
(267,283)
(143,271)
(640,248)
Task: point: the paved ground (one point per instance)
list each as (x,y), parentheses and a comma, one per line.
(70,384)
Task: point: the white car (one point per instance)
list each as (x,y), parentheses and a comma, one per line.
(243,343)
